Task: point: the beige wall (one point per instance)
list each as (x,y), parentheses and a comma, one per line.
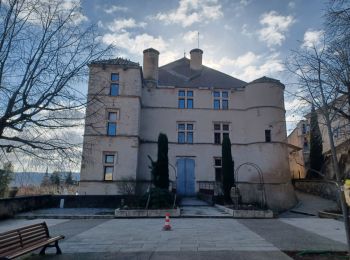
(96,142)
(144,112)
(298,154)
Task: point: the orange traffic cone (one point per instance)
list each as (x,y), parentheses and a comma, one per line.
(167,226)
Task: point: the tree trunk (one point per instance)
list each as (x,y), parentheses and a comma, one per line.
(344,206)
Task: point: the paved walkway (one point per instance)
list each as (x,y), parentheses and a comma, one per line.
(309,205)
(191,238)
(196,238)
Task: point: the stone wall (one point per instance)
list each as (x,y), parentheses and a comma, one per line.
(324,189)
(11,206)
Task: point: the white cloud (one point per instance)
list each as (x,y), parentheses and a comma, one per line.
(135,44)
(312,38)
(191,37)
(275,27)
(245,30)
(244,3)
(269,66)
(249,66)
(228,27)
(295,104)
(118,25)
(242,61)
(291,5)
(115,8)
(192,11)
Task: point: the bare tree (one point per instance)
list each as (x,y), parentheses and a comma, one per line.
(310,67)
(337,28)
(45,47)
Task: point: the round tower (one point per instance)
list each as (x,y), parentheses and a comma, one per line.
(266,137)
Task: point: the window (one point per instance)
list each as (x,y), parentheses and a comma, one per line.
(108,166)
(114,87)
(112,123)
(305,142)
(220,131)
(267,136)
(185,99)
(185,133)
(304,129)
(114,91)
(115,77)
(218,169)
(220,100)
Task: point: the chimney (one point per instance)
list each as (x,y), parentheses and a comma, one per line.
(196,59)
(150,66)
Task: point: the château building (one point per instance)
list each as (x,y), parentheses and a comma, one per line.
(195,106)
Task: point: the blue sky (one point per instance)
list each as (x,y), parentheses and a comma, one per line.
(243,38)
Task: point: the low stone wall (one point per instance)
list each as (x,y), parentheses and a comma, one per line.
(10,206)
(94,201)
(324,189)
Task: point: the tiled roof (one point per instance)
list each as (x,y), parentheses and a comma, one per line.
(179,74)
(266,80)
(117,61)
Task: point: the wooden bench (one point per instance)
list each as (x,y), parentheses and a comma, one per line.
(17,242)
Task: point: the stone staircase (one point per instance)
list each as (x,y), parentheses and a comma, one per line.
(192,207)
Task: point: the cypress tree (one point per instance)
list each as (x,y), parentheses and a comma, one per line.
(316,156)
(227,168)
(162,162)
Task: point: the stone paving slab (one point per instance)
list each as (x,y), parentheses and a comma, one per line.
(190,238)
(308,206)
(10,224)
(291,237)
(187,234)
(328,228)
(171,255)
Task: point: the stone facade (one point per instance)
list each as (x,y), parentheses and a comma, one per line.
(194,106)
(299,140)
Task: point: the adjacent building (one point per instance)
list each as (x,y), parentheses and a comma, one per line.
(299,140)
(195,106)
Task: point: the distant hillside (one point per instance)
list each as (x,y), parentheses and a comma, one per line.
(35,178)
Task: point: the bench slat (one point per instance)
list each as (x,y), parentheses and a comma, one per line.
(31,234)
(7,239)
(33,240)
(6,244)
(4,251)
(26,227)
(8,235)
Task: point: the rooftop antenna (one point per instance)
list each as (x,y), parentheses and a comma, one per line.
(184,54)
(198,38)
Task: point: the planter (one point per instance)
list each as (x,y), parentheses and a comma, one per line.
(144,213)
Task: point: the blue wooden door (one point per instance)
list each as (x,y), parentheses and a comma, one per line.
(185,184)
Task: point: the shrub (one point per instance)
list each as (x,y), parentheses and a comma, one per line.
(159,199)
